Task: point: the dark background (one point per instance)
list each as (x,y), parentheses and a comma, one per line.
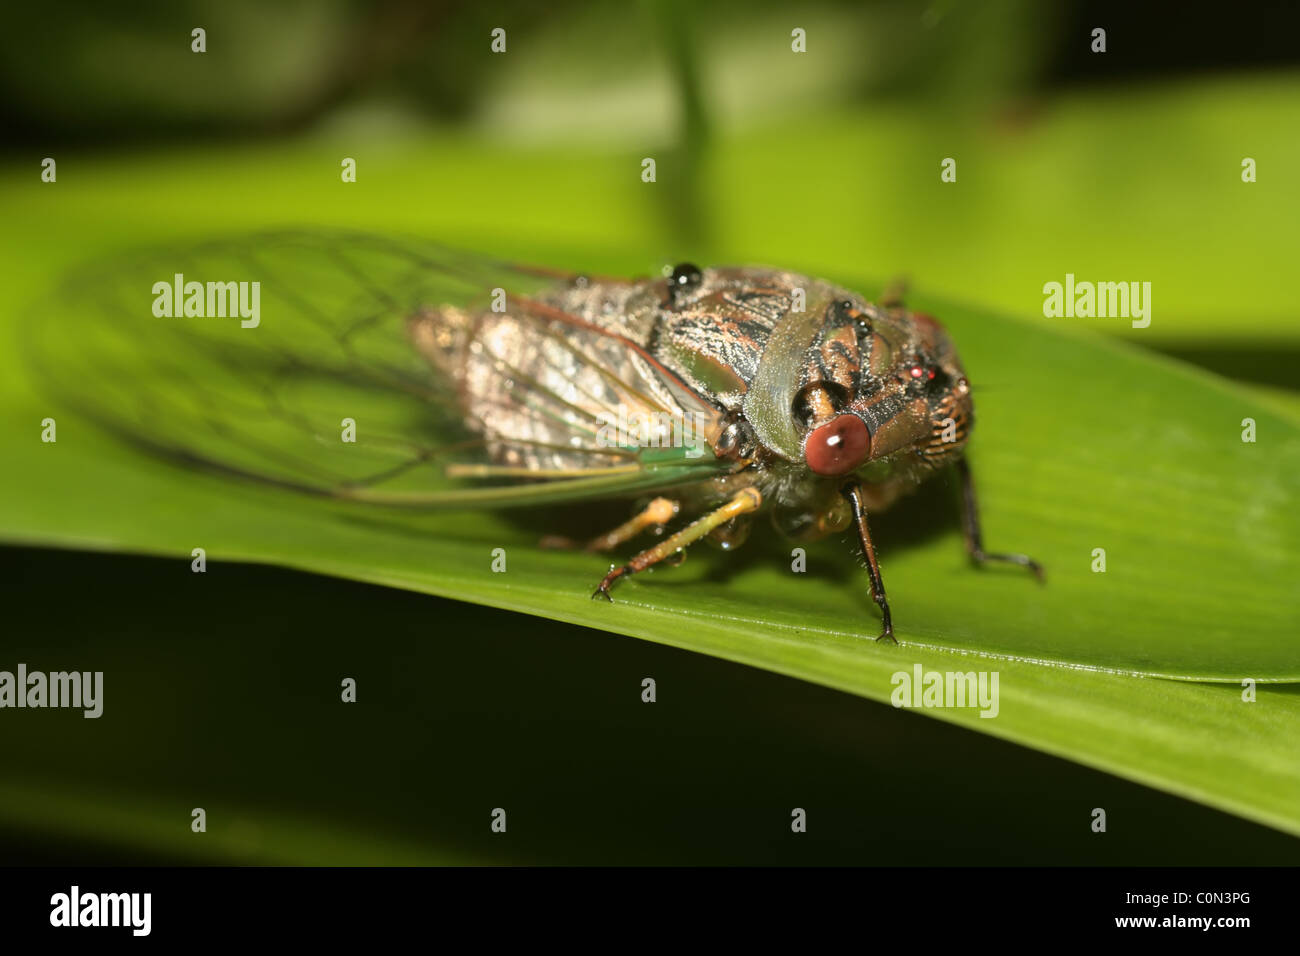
(540,718)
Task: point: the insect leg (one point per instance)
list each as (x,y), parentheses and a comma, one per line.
(656,513)
(853,491)
(743,502)
(894,293)
(970,521)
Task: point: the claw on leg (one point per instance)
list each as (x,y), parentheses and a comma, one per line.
(603,589)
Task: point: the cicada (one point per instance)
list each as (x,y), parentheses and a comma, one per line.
(703,396)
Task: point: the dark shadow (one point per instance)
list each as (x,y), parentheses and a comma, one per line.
(1272,364)
(222,690)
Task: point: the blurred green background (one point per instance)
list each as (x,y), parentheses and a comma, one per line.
(1123,165)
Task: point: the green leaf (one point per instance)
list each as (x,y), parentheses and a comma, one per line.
(1082,443)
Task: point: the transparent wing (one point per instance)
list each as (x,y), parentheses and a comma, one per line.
(269,381)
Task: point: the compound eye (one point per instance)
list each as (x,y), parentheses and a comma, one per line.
(838,447)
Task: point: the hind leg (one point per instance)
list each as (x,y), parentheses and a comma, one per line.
(654,515)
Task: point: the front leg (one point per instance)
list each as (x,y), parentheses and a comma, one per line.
(853,492)
(970,521)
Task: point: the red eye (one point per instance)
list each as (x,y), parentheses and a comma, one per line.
(916,371)
(838,447)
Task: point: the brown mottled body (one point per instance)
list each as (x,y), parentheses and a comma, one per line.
(823,406)
(525,379)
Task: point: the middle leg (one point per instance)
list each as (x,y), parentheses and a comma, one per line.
(743,502)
